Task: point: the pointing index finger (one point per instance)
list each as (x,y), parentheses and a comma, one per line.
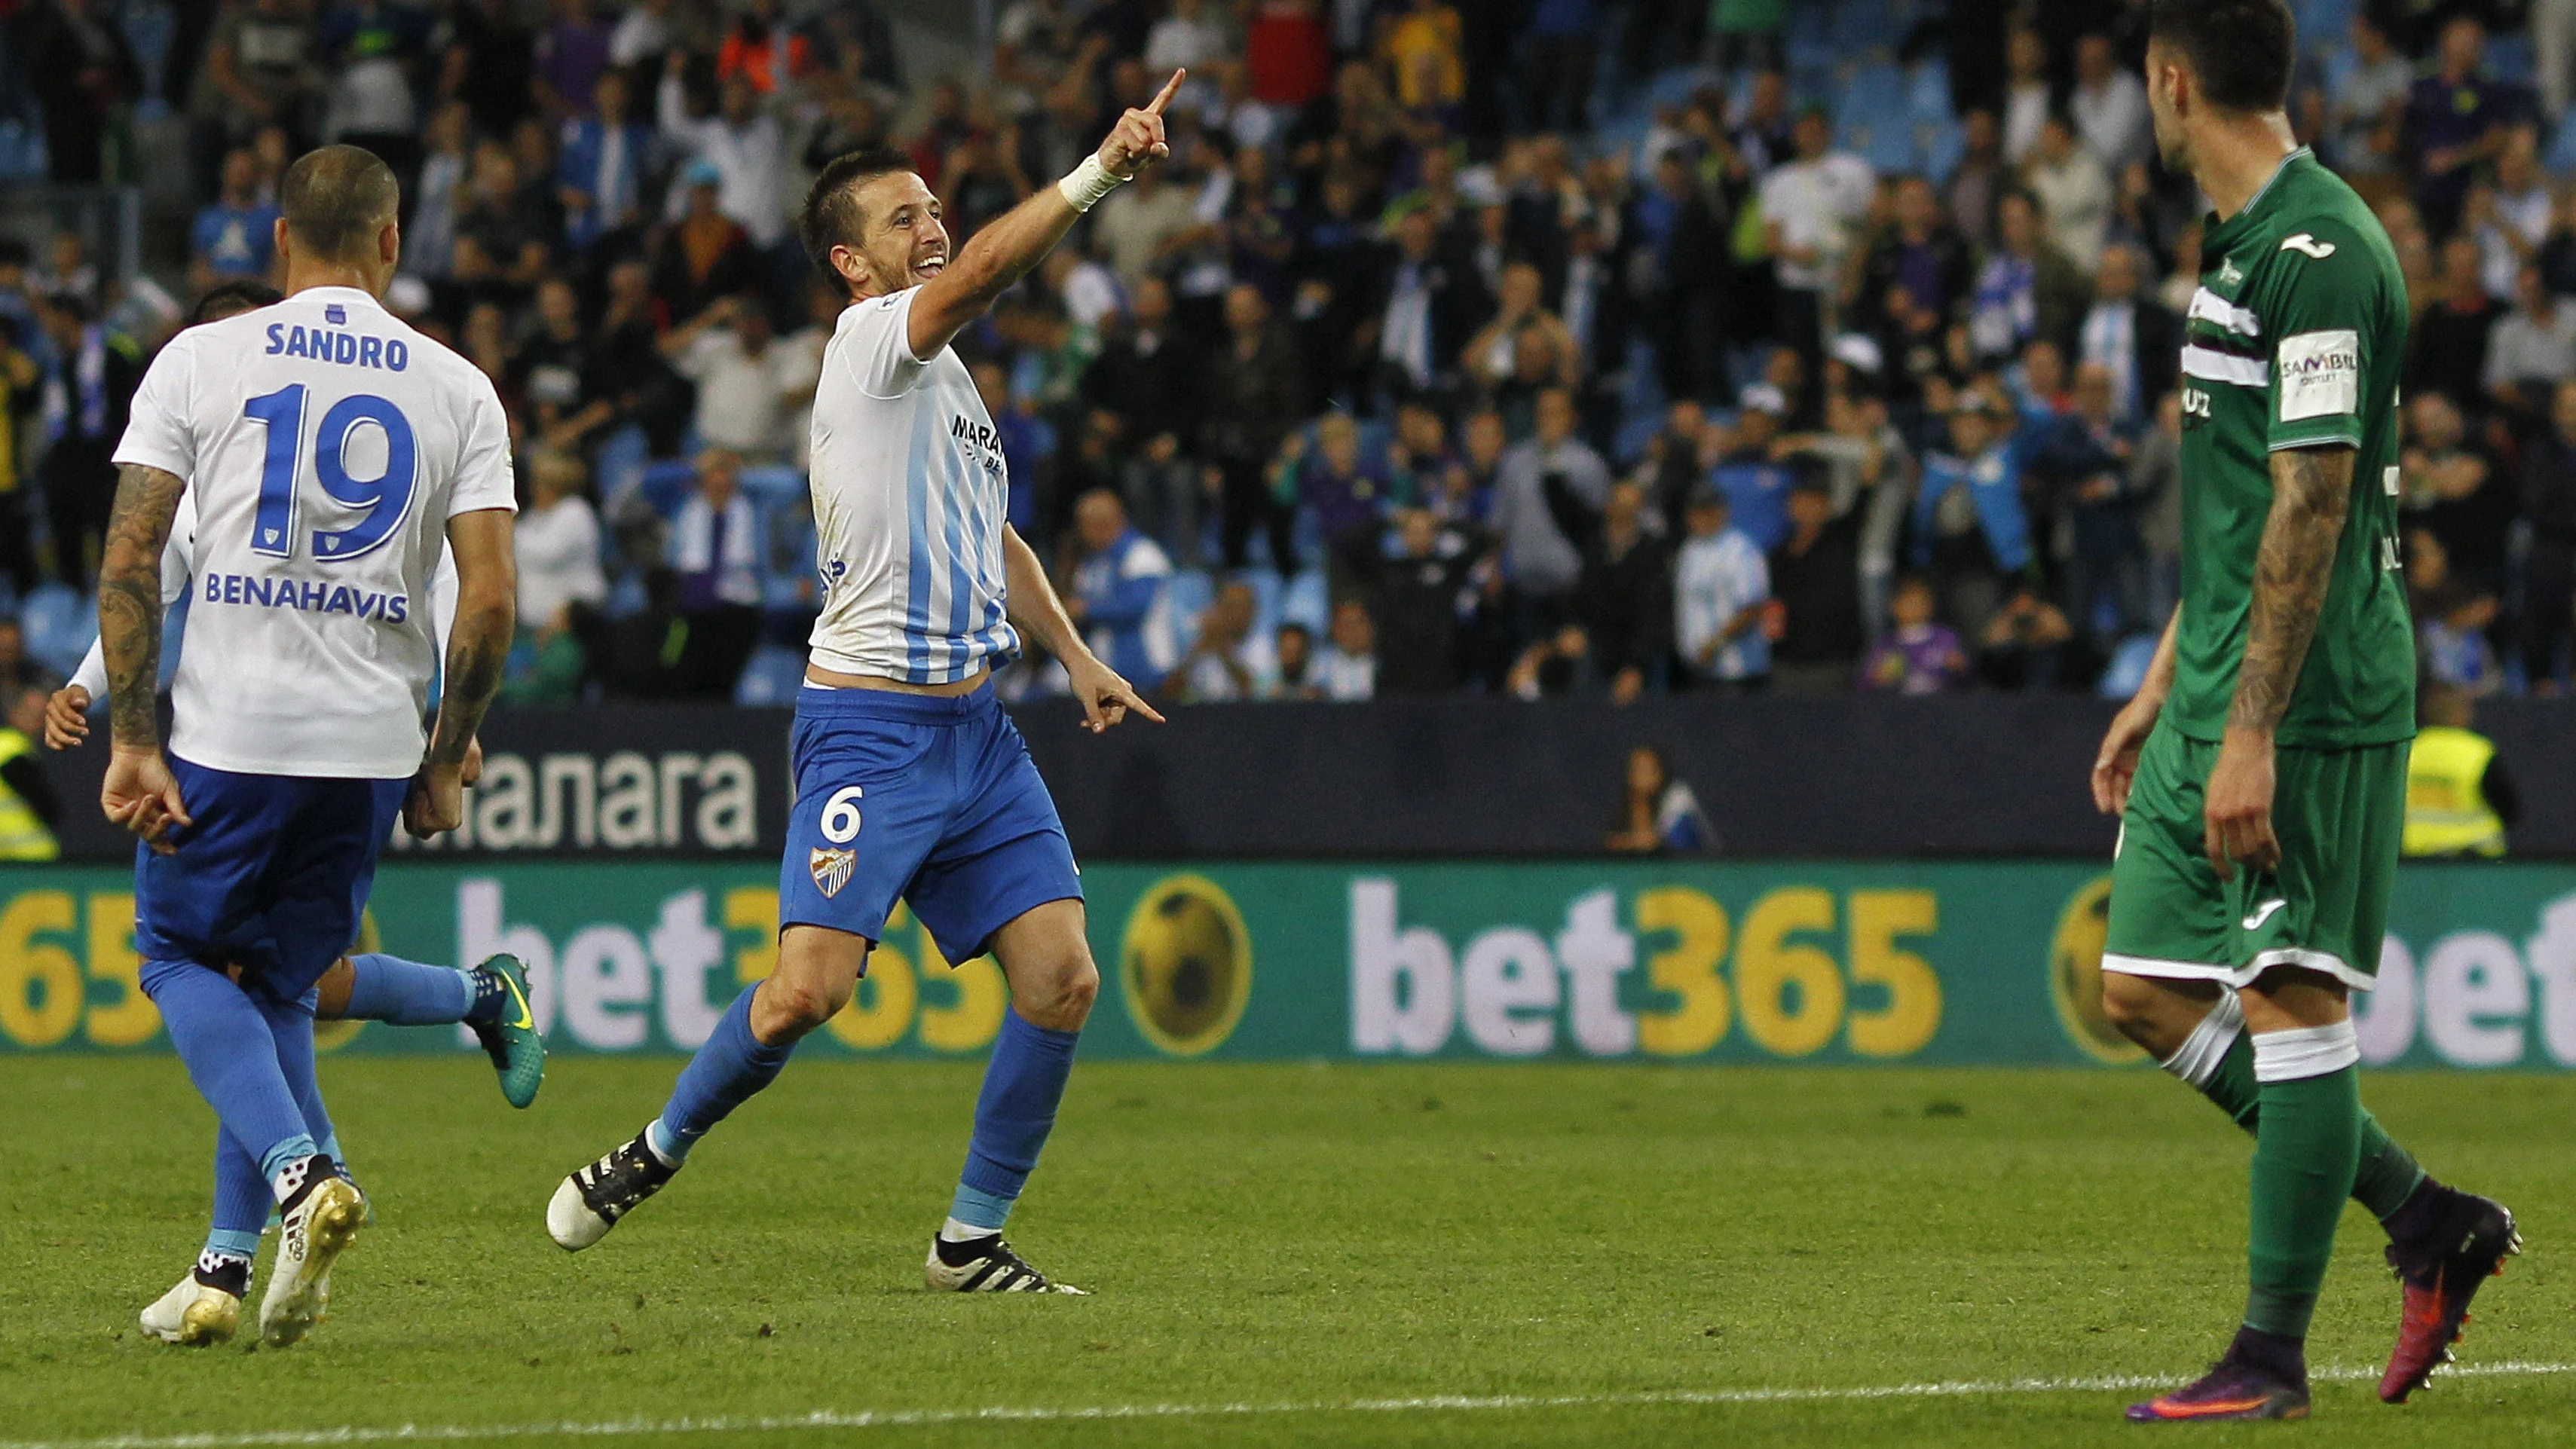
(1163,97)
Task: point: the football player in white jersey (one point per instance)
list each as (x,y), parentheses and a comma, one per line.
(910,782)
(490,999)
(329,449)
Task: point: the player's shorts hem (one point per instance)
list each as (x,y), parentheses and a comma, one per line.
(2323,962)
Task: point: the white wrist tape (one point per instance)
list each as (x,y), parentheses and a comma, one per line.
(1085,184)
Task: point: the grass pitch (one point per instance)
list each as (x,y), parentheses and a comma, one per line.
(1310,1242)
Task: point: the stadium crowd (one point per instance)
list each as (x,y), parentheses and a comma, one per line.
(1630,346)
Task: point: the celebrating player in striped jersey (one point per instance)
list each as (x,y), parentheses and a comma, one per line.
(910,783)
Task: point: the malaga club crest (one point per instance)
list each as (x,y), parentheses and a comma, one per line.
(832,869)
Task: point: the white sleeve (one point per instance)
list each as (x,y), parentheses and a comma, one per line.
(442,601)
(483,476)
(158,435)
(878,347)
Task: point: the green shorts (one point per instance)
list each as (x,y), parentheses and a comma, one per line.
(2338,815)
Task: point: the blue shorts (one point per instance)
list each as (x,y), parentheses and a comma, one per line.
(931,799)
(272,877)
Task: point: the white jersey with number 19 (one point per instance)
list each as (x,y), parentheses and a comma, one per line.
(326,444)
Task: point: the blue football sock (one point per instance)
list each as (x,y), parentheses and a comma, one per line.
(1013,1116)
(242,1198)
(222,1036)
(233,1243)
(724,1074)
(406,993)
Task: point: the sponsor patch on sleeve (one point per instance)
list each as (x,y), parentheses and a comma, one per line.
(2320,375)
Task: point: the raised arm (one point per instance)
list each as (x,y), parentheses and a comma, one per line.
(1020,238)
(1105,697)
(2311,494)
(478,640)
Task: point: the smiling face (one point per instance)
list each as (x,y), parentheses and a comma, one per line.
(902,241)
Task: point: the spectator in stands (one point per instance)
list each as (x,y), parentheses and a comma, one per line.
(2025,644)
(1969,525)
(2073,190)
(2130,336)
(1657,812)
(1421,314)
(715,554)
(1977,184)
(2513,211)
(1814,577)
(504,233)
(1255,394)
(1624,596)
(1147,373)
(19,671)
(742,147)
(2367,84)
(1344,492)
(1120,595)
(1756,482)
(1546,494)
(94,371)
(234,237)
(607,153)
(1811,209)
(2084,461)
(2531,350)
(2453,639)
(2027,100)
(2028,287)
(2448,344)
(1226,664)
(551,376)
(747,385)
(1921,253)
(2549,569)
(1418,595)
(1294,647)
(560,582)
(1920,655)
(2451,488)
(1721,589)
(2456,118)
(2109,105)
(1142,225)
(81,71)
(1346,667)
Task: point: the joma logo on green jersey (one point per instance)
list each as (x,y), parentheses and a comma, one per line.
(2308,245)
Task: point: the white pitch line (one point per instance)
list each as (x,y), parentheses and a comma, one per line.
(934,1418)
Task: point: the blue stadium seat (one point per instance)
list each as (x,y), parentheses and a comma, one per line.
(1305,601)
(2560,158)
(2128,668)
(1937,148)
(1875,89)
(771,676)
(59,629)
(1265,599)
(2512,58)
(666,485)
(1927,91)
(776,483)
(1191,591)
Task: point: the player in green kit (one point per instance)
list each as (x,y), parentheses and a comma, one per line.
(2261,772)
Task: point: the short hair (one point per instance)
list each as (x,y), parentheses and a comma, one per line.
(231,300)
(2241,49)
(831,216)
(336,199)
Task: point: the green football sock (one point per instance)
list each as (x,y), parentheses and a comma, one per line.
(2389,1173)
(2305,1156)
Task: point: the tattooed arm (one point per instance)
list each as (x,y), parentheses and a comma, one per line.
(139,792)
(2311,494)
(487,587)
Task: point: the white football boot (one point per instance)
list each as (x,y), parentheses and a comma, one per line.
(193,1313)
(310,1238)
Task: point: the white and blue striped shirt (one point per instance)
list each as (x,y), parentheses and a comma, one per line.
(910,499)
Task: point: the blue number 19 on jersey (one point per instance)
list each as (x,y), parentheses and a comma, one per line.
(385,499)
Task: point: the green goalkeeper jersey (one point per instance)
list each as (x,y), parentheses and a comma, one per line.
(2294,340)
